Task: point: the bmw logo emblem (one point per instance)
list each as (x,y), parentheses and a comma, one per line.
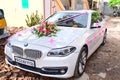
(26,44)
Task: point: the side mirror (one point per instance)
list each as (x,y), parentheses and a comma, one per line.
(96,25)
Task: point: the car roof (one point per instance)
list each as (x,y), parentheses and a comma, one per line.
(89,11)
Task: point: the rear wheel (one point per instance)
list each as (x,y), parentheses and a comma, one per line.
(81,62)
(104,38)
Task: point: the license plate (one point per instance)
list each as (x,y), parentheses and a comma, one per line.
(25,61)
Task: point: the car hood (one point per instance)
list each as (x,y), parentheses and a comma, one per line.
(63,37)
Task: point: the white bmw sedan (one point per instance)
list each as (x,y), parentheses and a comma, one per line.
(63,55)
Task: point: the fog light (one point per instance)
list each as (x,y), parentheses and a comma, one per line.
(43,69)
(54,70)
(62,71)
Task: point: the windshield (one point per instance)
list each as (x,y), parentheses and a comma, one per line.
(68,19)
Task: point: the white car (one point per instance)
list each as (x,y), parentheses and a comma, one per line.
(63,55)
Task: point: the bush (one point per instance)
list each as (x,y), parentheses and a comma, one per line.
(95,17)
(33,19)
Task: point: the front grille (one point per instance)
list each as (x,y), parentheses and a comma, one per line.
(29,53)
(17,50)
(32,53)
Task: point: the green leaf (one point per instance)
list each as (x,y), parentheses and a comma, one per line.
(113,3)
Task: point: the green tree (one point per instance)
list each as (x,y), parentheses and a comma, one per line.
(113,3)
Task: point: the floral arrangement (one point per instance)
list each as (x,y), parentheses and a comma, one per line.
(46,29)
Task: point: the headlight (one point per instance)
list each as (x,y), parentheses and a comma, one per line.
(62,51)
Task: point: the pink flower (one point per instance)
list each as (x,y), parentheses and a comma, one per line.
(31,29)
(94,38)
(98,24)
(19,35)
(9,38)
(50,23)
(51,40)
(88,41)
(44,24)
(41,29)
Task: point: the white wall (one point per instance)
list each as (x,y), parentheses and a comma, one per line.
(14,13)
(47,8)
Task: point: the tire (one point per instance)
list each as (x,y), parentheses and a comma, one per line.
(114,14)
(81,62)
(104,38)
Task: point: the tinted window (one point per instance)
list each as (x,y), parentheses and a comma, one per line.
(68,19)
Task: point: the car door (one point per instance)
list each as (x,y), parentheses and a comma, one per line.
(94,33)
(101,30)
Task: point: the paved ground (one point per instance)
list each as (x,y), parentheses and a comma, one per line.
(104,64)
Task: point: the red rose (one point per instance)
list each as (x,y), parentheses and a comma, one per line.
(47,31)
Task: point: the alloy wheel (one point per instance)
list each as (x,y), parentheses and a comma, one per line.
(82,61)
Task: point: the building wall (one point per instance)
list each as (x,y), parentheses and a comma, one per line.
(104,8)
(79,4)
(75,4)
(14,13)
(52,6)
(66,4)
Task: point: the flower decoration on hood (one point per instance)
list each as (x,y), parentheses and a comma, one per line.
(46,29)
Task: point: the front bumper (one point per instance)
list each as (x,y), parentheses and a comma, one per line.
(60,67)
(43,70)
